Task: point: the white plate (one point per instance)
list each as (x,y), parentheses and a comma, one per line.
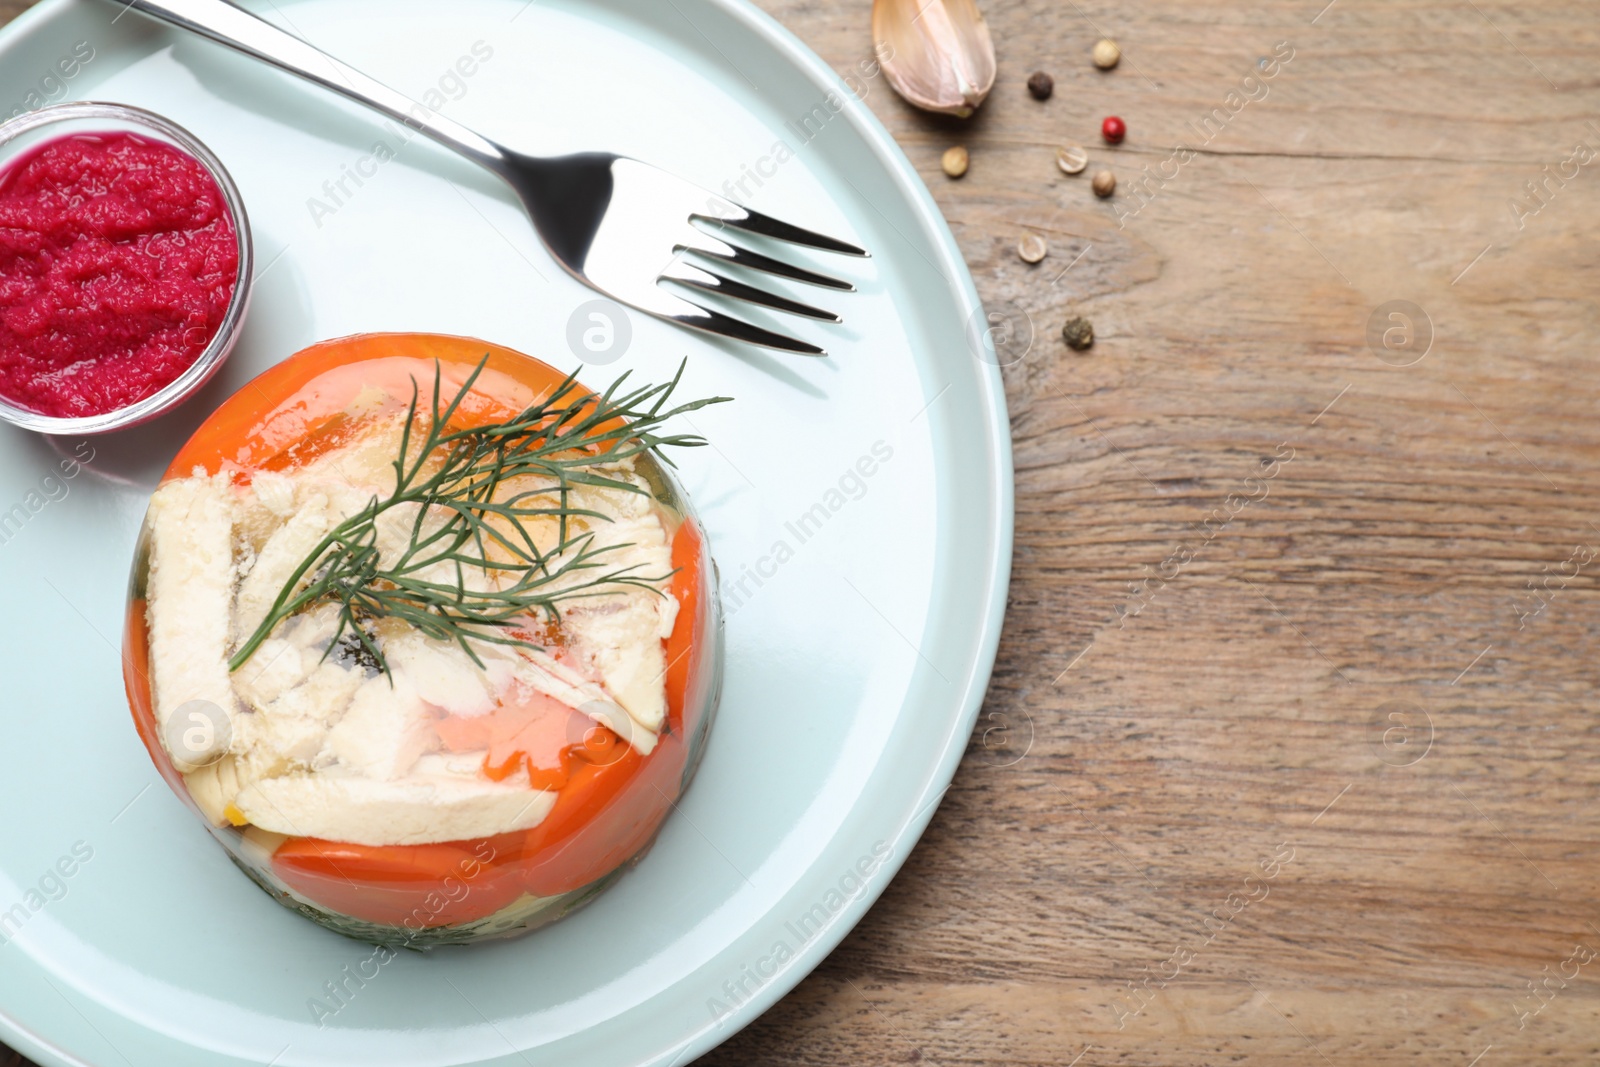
(856,662)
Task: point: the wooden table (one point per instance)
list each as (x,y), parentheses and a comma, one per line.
(1291,753)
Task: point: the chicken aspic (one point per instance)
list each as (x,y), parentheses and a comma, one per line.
(423,630)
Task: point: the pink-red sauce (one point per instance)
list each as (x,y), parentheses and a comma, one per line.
(118,259)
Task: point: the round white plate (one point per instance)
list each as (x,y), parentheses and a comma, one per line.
(859,507)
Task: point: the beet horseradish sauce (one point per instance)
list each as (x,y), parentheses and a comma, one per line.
(118,260)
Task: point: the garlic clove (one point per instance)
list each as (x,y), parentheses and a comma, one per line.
(936,53)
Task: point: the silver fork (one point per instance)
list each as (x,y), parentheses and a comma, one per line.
(620,226)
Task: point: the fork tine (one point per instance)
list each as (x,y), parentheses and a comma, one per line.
(767,226)
(743,257)
(691,275)
(687,313)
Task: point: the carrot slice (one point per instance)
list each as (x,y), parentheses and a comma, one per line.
(298,406)
(414,886)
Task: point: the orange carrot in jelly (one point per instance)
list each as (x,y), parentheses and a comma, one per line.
(416,886)
(607,813)
(136,680)
(306,392)
(688,553)
(599,745)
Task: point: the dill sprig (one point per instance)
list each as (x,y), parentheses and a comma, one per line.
(452,477)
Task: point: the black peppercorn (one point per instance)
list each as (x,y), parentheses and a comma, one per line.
(1041,85)
(1078,333)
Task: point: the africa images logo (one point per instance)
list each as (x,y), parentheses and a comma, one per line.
(799,931)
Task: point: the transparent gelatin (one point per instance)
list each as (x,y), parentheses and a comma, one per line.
(427,634)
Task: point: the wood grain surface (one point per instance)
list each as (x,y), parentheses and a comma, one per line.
(1290,754)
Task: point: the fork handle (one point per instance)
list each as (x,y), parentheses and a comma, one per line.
(240,30)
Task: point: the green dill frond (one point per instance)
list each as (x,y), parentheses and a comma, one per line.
(453,477)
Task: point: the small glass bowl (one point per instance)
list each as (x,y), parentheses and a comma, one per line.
(56,120)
